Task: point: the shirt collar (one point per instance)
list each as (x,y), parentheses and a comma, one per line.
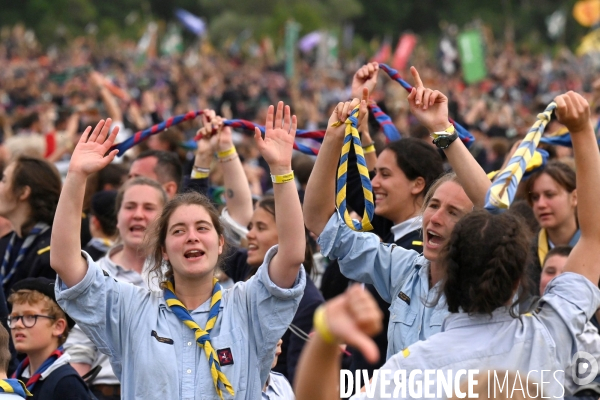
(463,319)
(406,227)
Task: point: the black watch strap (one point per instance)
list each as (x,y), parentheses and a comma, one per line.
(444,141)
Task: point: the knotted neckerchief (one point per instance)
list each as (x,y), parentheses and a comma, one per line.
(241,124)
(502,192)
(56,354)
(544,246)
(464,135)
(202,335)
(14,386)
(351,138)
(37,230)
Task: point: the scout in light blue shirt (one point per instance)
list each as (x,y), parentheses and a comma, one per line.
(400,276)
(156,356)
(544,340)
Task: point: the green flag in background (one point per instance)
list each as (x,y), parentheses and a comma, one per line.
(472,58)
(292,29)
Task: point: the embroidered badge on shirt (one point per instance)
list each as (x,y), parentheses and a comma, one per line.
(404,298)
(161,339)
(225,357)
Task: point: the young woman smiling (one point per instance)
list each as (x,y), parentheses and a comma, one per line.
(262,235)
(156,343)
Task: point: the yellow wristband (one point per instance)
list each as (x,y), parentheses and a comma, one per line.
(320,326)
(369,149)
(199,175)
(283,178)
(226,153)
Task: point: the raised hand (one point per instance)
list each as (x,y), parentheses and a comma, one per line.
(222,140)
(341,113)
(365,78)
(429,106)
(354,316)
(90,154)
(573,111)
(277,145)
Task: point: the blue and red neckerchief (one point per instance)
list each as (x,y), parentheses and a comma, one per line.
(56,354)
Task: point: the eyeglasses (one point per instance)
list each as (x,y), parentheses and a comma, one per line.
(28,320)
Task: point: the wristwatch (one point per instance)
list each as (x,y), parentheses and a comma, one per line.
(444,139)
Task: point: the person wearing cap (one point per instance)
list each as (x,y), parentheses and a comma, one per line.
(103,224)
(39,327)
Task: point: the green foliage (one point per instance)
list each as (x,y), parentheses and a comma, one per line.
(228,18)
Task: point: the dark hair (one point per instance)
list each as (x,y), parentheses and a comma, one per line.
(267,203)
(168,167)
(417,159)
(154,242)
(103,208)
(302,166)
(4,351)
(45,184)
(113,175)
(563,251)
(138,181)
(561,173)
(485,261)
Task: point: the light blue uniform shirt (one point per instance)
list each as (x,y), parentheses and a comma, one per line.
(544,340)
(126,323)
(278,388)
(400,276)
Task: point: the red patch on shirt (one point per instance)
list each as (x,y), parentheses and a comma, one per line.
(225,357)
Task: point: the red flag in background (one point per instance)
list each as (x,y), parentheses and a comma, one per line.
(384,52)
(406,44)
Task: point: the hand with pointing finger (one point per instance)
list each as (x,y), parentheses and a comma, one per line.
(429,106)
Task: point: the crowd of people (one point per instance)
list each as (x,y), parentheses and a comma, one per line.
(227,268)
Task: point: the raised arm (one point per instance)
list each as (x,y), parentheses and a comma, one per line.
(349,318)
(430,107)
(112,107)
(276,148)
(573,111)
(363,83)
(238,196)
(90,155)
(319,197)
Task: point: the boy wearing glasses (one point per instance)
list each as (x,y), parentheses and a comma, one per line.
(39,327)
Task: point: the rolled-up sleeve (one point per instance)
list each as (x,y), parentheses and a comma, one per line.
(101,305)
(568,304)
(363,258)
(270,309)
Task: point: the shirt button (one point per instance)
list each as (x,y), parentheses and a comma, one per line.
(189,371)
(189,343)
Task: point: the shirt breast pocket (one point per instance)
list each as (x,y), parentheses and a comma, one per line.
(233,357)
(402,330)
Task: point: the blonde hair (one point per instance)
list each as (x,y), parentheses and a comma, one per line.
(33,298)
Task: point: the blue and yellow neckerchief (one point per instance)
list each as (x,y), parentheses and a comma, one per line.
(14,386)
(352,138)
(7,274)
(544,245)
(202,335)
(502,192)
